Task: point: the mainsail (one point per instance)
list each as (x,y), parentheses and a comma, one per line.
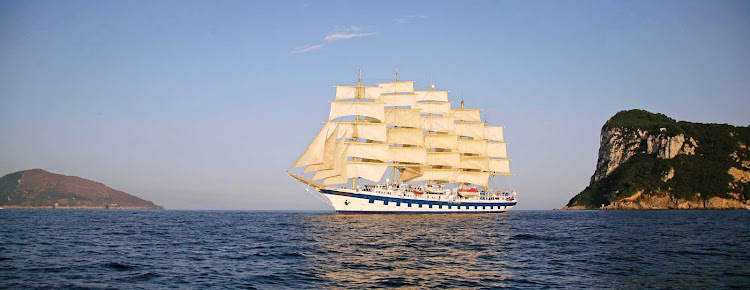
(417,133)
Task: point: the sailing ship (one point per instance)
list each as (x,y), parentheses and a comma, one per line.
(441,158)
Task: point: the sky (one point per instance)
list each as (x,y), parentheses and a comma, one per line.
(206,104)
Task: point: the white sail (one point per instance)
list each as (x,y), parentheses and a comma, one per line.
(437,96)
(442,108)
(369,109)
(326,173)
(314,152)
(399,100)
(473,177)
(452,159)
(374,151)
(494,133)
(344,169)
(339,161)
(475,162)
(407,154)
(437,123)
(442,141)
(403,118)
(474,130)
(499,165)
(363,130)
(408,136)
(444,175)
(328,153)
(497,149)
(372,93)
(371,171)
(397,87)
(410,173)
(472,146)
(354,92)
(315,167)
(335,180)
(329,148)
(469,115)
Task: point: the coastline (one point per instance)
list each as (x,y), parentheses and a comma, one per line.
(664,203)
(82,207)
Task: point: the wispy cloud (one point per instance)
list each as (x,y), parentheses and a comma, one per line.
(347,33)
(307,48)
(337,36)
(409,18)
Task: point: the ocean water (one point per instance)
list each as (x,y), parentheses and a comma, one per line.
(238,249)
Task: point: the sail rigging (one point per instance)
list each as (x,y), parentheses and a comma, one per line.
(415,132)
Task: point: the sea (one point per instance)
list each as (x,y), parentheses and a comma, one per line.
(320,250)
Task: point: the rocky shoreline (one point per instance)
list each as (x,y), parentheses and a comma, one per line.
(652,162)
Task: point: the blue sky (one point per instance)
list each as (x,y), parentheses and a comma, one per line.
(205,105)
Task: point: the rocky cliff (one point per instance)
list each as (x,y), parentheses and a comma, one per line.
(650,161)
(37,188)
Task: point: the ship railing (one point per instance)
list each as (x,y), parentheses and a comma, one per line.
(487,198)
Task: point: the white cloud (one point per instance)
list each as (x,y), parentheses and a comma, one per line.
(307,48)
(347,33)
(337,36)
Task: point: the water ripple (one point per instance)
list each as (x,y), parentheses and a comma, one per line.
(258,250)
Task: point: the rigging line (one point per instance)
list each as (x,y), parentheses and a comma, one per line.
(317,196)
(492,182)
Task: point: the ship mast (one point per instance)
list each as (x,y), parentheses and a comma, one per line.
(395,163)
(432,87)
(358,96)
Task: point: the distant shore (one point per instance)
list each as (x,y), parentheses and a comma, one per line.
(79,207)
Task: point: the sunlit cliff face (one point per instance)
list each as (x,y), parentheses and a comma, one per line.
(617,145)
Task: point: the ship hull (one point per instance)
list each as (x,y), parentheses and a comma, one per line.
(346,201)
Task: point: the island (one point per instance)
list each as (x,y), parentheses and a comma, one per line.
(651,161)
(37,188)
